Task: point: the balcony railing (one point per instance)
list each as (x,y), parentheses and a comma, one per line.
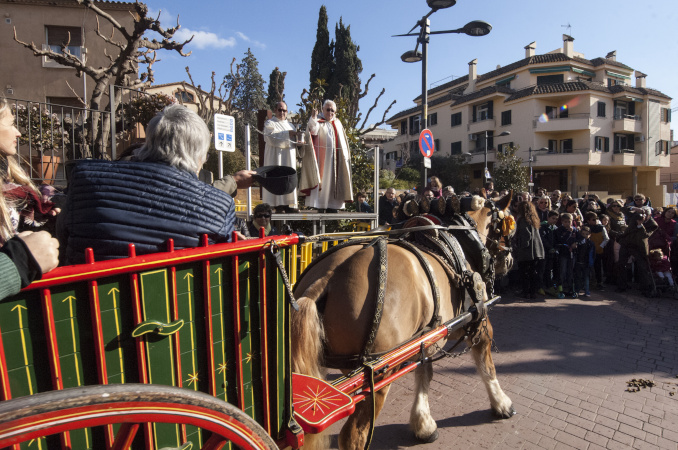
(627,116)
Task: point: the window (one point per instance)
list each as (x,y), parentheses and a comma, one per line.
(455,148)
(553,146)
(623,143)
(555,112)
(414,148)
(432,119)
(391,155)
(477,174)
(414,124)
(436,145)
(403,127)
(503,148)
(455,119)
(665,115)
(615,82)
(550,79)
(482,111)
(566,146)
(480,140)
(56,36)
(602,144)
(601,109)
(506,117)
(624,110)
(661,147)
(184,96)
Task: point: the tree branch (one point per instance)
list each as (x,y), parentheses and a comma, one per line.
(383,118)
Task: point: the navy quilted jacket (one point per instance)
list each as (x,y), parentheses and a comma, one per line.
(111,204)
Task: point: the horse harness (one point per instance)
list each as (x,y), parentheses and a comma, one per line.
(418,240)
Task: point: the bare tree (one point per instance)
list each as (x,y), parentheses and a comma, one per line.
(219,99)
(133,49)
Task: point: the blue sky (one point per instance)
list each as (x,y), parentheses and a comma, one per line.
(282,34)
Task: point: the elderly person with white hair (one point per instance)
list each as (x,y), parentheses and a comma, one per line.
(326,172)
(148,200)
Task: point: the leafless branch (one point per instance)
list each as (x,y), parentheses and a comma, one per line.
(76,94)
(383,118)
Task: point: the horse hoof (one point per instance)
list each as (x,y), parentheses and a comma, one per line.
(431,438)
(507,414)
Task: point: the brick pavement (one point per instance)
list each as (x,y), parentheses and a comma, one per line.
(565,364)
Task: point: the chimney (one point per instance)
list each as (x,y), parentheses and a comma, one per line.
(612,56)
(529,49)
(472,76)
(568,46)
(640,79)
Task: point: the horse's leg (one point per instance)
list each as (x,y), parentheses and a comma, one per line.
(500,402)
(354,433)
(421,422)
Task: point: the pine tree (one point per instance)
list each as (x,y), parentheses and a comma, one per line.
(322,60)
(276,88)
(249,97)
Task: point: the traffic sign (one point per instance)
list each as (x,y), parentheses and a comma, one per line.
(426,145)
(427,163)
(224,133)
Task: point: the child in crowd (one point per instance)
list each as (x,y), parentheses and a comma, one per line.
(565,245)
(661,266)
(584,255)
(600,238)
(549,267)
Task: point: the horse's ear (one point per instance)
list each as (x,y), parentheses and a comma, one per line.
(504,202)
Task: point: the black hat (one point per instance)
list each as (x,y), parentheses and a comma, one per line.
(278,180)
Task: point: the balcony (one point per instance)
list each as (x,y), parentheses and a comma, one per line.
(574,157)
(626,157)
(481,126)
(572,122)
(628,123)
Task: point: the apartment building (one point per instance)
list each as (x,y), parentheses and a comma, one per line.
(50,23)
(588,127)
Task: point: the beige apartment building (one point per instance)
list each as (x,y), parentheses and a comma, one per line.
(49,23)
(588,127)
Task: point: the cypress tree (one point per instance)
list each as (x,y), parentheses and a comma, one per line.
(322,63)
(347,69)
(276,88)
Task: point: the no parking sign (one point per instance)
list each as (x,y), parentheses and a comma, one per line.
(426,143)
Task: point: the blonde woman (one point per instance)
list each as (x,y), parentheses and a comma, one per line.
(436,186)
(25,257)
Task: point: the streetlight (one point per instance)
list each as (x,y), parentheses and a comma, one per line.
(473,28)
(530,160)
(503,133)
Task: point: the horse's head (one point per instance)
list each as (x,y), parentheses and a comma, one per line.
(496,226)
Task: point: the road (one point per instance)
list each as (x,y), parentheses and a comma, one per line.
(565,364)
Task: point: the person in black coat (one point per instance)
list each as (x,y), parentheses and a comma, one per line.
(528,248)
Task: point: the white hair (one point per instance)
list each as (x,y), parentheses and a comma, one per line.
(330,102)
(177,136)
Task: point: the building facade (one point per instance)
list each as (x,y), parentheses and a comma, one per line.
(585,126)
(51,23)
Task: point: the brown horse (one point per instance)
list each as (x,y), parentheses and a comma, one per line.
(345,282)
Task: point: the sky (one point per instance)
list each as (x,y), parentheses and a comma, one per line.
(282,34)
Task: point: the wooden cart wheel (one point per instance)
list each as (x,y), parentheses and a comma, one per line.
(132,405)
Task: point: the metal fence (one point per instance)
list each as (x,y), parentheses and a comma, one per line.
(53,134)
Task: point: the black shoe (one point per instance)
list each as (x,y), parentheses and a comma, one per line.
(331,211)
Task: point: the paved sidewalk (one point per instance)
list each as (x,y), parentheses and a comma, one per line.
(565,364)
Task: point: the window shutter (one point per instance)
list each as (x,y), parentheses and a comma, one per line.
(607,144)
(490,110)
(475,108)
(632,108)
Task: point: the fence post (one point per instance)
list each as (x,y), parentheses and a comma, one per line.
(111,97)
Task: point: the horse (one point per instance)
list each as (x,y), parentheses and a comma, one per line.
(344,284)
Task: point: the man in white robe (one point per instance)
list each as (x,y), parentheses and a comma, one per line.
(333,160)
(280,150)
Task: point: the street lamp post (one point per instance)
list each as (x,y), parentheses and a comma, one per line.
(530,160)
(473,28)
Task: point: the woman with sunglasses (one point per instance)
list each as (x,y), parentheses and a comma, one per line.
(333,188)
(261,218)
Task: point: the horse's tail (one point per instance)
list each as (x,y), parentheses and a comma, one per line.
(308,334)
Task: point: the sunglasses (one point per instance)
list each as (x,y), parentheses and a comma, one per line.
(329,110)
(263,216)
(282,110)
